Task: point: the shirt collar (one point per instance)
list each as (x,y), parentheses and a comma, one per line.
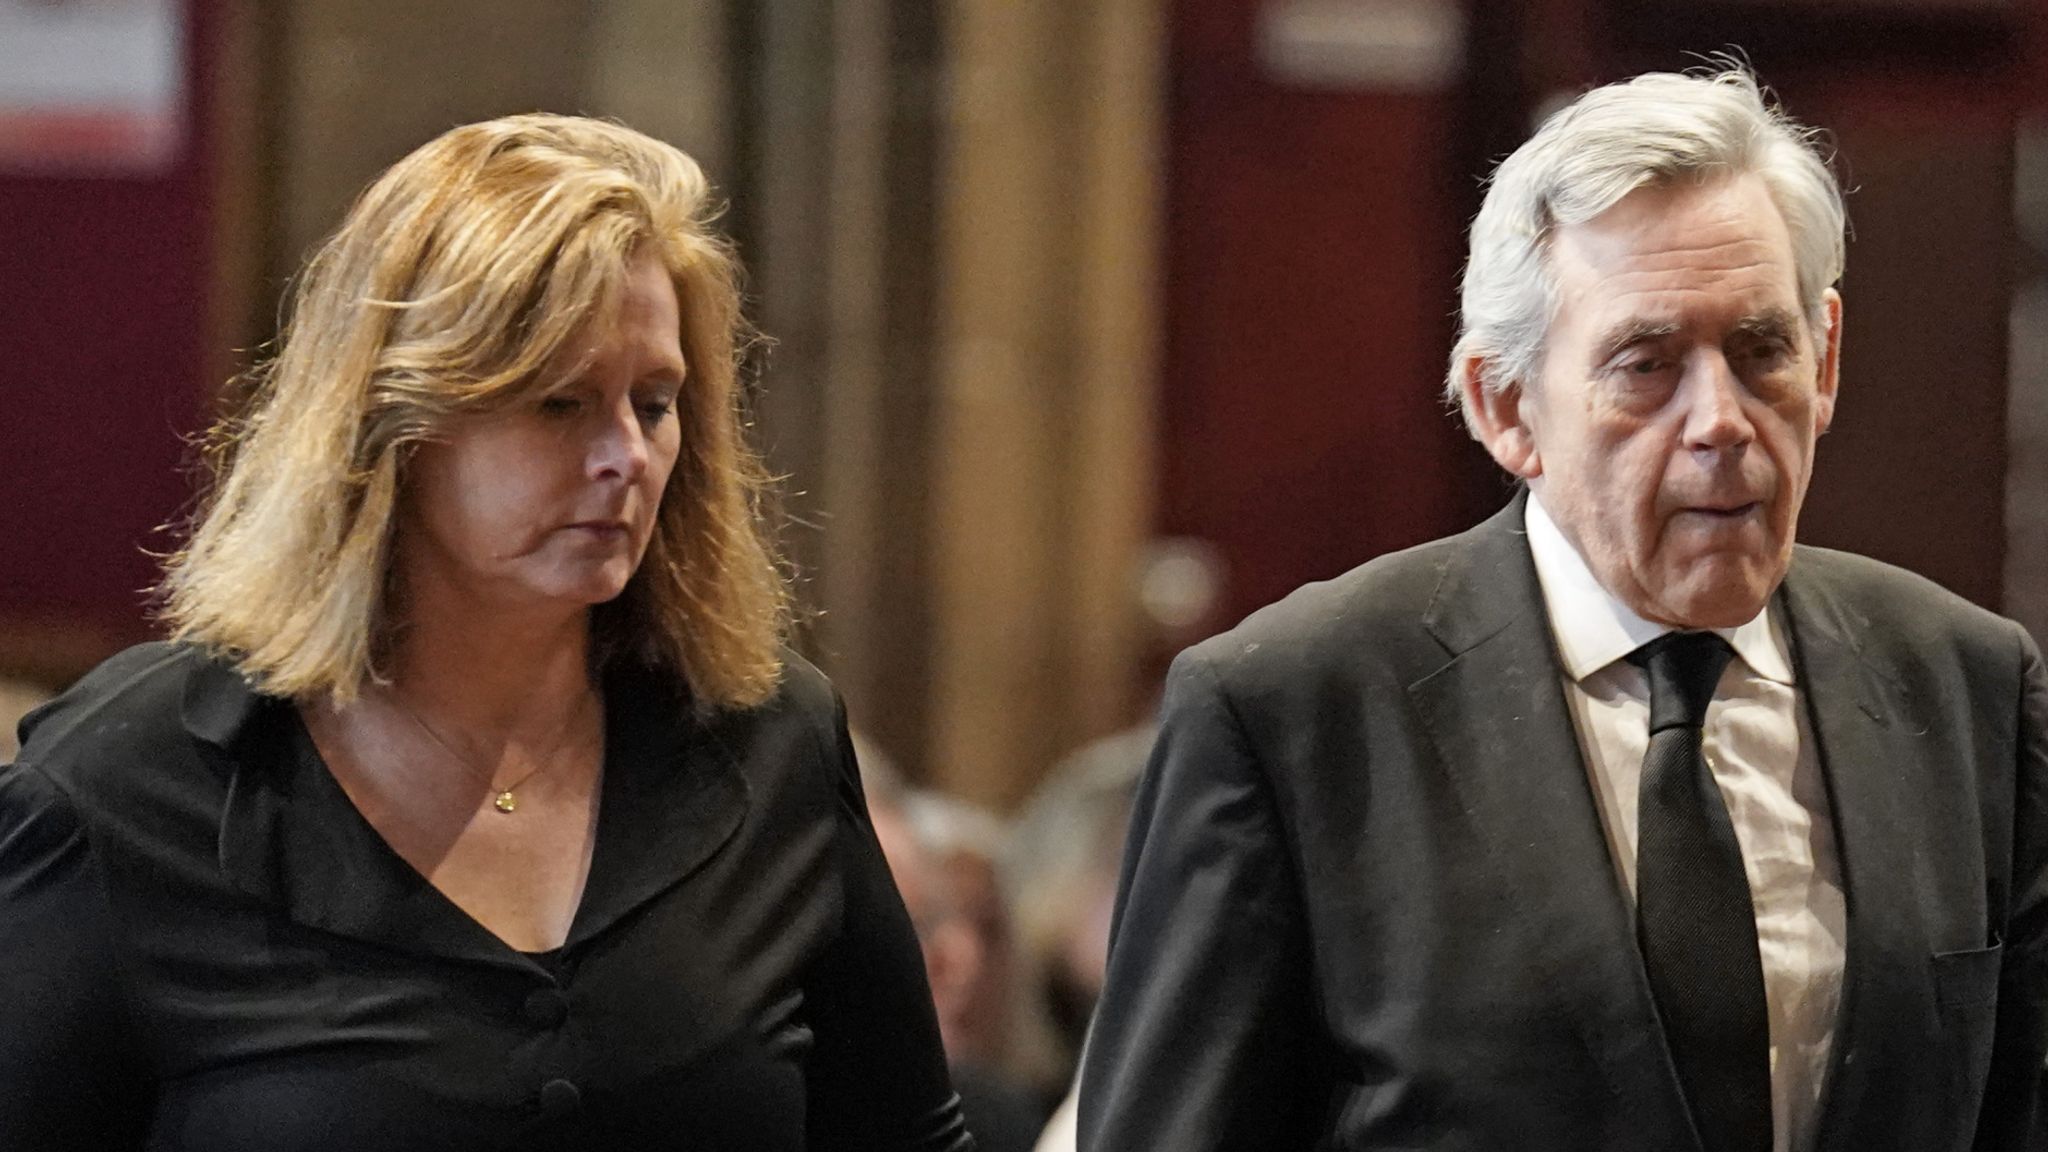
(1594,628)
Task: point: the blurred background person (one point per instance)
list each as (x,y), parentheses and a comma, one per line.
(1062,870)
(934,847)
(964,843)
(476,802)
(1061,866)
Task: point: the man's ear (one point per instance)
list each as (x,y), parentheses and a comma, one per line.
(1498,421)
(1830,350)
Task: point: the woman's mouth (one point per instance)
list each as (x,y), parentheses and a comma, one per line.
(605,530)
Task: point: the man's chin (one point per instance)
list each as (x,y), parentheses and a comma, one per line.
(1716,592)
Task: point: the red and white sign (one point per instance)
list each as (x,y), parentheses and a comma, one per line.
(91,86)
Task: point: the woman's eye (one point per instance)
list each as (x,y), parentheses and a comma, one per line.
(653,410)
(559,405)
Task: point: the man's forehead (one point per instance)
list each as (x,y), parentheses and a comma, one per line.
(1660,257)
(1657,204)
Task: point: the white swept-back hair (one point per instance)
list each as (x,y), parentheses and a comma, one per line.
(1656,129)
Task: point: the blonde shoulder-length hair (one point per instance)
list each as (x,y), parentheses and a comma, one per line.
(459,283)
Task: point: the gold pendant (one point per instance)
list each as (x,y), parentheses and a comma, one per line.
(506,802)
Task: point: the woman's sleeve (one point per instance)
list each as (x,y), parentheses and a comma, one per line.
(72,1071)
(877,1078)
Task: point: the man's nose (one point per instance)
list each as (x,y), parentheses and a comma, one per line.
(1715,419)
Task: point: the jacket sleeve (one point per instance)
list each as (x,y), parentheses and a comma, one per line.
(2013,1090)
(1207,1034)
(877,1078)
(72,1070)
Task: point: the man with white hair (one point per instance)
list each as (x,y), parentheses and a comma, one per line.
(1617,822)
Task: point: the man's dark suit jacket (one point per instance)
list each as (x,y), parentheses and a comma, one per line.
(1368,903)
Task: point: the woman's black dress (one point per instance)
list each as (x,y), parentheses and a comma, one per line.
(204,947)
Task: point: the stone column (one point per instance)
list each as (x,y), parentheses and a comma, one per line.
(1042,433)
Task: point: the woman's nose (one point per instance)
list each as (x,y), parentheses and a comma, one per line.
(620,447)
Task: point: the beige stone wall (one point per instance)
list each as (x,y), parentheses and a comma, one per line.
(856,636)
(362,83)
(660,66)
(1044,398)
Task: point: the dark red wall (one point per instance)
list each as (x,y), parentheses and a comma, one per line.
(1914,472)
(1308,303)
(103,338)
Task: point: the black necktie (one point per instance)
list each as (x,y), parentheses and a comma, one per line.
(1694,920)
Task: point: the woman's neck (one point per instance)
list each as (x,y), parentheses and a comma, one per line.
(499,671)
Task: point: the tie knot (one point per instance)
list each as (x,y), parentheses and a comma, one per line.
(1684,667)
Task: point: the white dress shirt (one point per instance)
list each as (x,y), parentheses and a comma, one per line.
(1760,750)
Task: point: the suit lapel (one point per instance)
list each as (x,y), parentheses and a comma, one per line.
(1861,725)
(1497,715)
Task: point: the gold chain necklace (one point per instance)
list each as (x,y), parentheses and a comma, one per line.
(506,799)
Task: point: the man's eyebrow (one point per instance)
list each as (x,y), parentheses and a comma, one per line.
(1770,324)
(1630,332)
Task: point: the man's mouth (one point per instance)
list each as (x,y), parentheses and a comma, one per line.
(1730,512)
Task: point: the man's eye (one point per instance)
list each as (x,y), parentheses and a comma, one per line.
(1643,367)
(1767,354)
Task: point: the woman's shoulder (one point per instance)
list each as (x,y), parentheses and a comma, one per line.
(802,694)
(807,700)
(790,739)
(804,689)
(134,705)
(803,697)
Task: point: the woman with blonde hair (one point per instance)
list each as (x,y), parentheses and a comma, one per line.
(474,802)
